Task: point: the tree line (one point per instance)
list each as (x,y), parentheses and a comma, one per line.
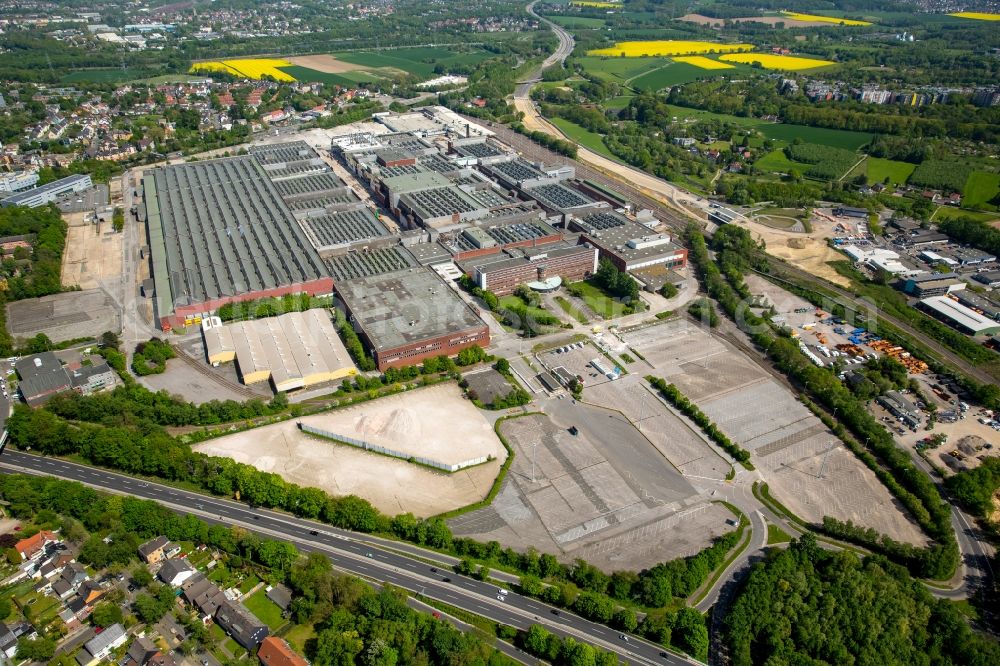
(673,395)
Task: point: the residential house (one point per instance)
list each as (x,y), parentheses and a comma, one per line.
(157,549)
(90,591)
(242,625)
(101,646)
(70,619)
(55,566)
(9,635)
(175,572)
(140,652)
(203,594)
(88,379)
(81,609)
(275,651)
(61,589)
(33,545)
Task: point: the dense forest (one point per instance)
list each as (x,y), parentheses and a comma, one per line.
(760,95)
(805,605)
(974,488)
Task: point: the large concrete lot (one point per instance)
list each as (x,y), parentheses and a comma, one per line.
(394,486)
(682,445)
(66,316)
(805,465)
(604,495)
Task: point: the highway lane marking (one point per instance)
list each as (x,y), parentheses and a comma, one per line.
(593,634)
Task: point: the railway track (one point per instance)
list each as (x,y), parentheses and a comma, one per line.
(218,379)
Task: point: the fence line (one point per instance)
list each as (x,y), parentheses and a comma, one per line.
(368,446)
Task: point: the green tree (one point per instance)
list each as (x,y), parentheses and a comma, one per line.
(38,649)
(106,614)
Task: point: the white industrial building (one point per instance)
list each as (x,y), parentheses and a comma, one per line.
(49,192)
(15,182)
(293,350)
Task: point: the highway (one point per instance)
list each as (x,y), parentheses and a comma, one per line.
(359,555)
(684,202)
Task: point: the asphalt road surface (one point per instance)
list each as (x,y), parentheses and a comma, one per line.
(354,553)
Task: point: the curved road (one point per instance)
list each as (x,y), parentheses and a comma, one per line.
(360,555)
(651,186)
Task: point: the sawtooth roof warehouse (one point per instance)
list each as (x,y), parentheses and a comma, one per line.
(279,221)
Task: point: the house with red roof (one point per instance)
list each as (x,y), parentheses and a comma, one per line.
(275,651)
(33,545)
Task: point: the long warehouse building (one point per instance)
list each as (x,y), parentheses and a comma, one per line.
(294,350)
(219,232)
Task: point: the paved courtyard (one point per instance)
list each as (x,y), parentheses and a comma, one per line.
(604,494)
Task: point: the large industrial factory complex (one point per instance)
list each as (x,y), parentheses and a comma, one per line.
(445,198)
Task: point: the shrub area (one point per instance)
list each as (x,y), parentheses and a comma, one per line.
(151,357)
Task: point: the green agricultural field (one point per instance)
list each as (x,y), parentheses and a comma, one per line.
(620,70)
(103,75)
(617,103)
(582,136)
(950,212)
(825,137)
(314,76)
(777,162)
(981,188)
(576,22)
(419,61)
(674,74)
(879,168)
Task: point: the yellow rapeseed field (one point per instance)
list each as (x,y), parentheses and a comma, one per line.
(247,68)
(703,62)
(768,61)
(978,16)
(599,4)
(667,47)
(824,19)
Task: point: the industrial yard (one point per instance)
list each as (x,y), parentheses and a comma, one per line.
(804,464)
(410,421)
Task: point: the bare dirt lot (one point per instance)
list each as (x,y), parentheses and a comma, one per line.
(600,495)
(183,380)
(392,485)
(808,251)
(324,63)
(93,253)
(805,465)
(769,20)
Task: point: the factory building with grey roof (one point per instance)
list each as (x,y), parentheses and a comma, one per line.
(219,231)
(410,315)
(627,244)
